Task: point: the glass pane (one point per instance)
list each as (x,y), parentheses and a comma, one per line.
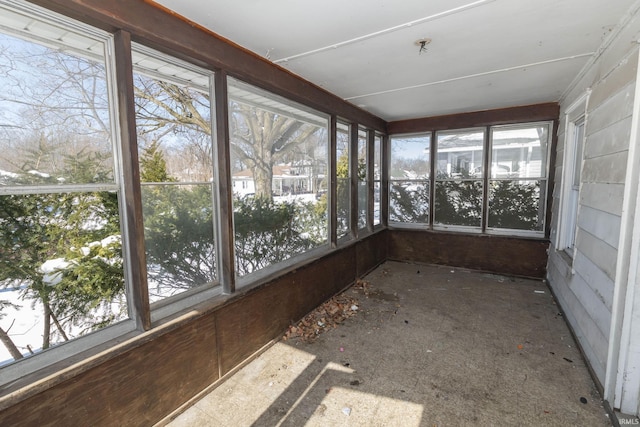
(61,270)
(516,205)
(281,151)
(363,194)
(410,157)
(343,187)
(409,201)
(173,122)
(578,144)
(54,110)
(179,238)
(343,206)
(377,158)
(376,202)
(458,203)
(519,151)
(460,154)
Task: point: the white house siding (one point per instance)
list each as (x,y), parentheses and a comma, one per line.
(584,285)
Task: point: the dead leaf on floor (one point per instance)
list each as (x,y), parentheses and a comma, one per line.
(328,315)
(362,286)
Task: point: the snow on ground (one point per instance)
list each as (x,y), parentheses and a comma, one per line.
(38,173)
(24,324)
(8,174)
(296,198)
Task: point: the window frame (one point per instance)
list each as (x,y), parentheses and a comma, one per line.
(429,181)
(364,135)
(575,114)
(577,161)
(543,178)
(175,303)
(16,369)
(287,264)
(484,178)
(378,142)
(344,127)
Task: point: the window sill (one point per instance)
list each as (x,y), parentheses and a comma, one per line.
(567,257)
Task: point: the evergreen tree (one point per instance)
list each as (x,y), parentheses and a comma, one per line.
(343,186)
(458,202)
(4,335)
(153,166)
(179,237)
(266,233)
(178,224)
(409,203)
(515,205)
(79,234)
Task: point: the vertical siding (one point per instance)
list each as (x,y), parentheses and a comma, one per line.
(584,285)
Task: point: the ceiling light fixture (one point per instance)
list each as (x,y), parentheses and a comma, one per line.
(423,44)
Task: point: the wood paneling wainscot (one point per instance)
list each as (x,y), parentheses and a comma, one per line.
(136,388)
(147,382)
(370,252)
(496,254)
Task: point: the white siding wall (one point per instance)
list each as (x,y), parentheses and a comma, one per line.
(584,285)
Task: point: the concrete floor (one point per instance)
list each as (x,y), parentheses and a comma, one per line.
(429,346)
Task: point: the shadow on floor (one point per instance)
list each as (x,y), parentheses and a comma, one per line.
(429,346)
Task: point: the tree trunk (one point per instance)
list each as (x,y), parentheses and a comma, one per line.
(8,343)
(263,177)
(59,326)
(46,333)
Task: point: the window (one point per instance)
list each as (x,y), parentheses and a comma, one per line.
(409,174)
(67,265)
(377,176)
(343,181)
(363,178)
(62,270)
(572,174)
(173,117)
(517,179)
(459,178)
(575,121)
(283,148)
(506,197)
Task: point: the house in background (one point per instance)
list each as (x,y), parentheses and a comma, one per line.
(586,241)
(286,180)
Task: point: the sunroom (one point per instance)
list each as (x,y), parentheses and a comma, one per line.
(171,201)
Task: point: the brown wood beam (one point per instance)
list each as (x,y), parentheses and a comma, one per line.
(502,116)
(226,259)
(132,200)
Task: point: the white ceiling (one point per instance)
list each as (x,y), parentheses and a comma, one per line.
(483,54)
